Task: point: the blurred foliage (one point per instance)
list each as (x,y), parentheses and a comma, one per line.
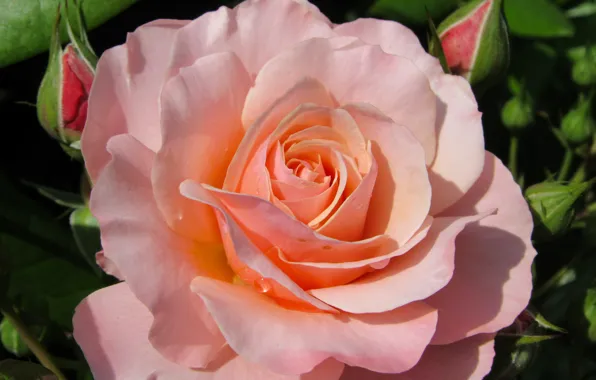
(48,238)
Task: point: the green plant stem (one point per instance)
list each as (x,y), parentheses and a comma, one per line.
(38,350)
(566,166)
(513,153)
(556,278)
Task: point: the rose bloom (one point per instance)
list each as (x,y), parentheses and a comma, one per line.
(285,198)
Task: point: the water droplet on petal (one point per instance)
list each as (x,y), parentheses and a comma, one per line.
(380,264)
(263,285)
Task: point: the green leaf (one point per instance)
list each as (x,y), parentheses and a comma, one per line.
(582,10)
(413,12)
(537,18)
(20,370)
(545,324)
(533,339)
(59,283)
(61,197)
(590,312)
(86,233)
(26,25)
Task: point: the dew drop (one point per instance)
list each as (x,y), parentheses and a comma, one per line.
(380,264)
(263,285)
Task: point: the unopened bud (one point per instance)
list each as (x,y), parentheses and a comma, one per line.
(476,42)
(553,206)
(64,90)
(517,114)
(579,125)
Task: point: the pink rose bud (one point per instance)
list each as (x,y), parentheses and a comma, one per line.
(63,93)
(475,41)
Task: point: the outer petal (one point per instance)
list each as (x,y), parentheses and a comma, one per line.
(418,274)
(469,359)
(458,122)
(112,326)
(157,264)
(357,73)
(125,93)
(247,31)
(293,342)
(493,279)
(201,110)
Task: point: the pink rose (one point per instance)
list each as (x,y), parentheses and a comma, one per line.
(285,198)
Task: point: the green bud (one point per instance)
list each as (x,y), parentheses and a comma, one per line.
(583,72)
(590,313)
(553,206)
(578,125)
(517,114)
(475,41)
(12,341)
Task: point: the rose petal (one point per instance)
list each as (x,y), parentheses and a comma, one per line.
(107,265)
(293,342)
(402,194)
(246,31)
(493,278)
(458,123)
(317,275)
(357,73)
(418,274)
(124,95)
(470,359)
(148,254)
(242,253)
(111,326)
(455,170)
(200,121)
(307,90)
(267,226)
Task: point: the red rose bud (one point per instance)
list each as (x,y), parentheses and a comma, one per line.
(476,43)
(63,93)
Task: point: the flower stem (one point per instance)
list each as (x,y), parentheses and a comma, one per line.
(38,350)
(566,166)
(513,152)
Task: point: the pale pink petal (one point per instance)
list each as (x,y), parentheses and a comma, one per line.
(201,131)
(107,265)
(306,90)
(492,282)
(247,31)
(357,73)
(413,276)
(402,193)
(460,148)
(157,264)
(253,264)
(458,123)
(469,359)
(293,342)
(267,226)
(125,92)
(111,326)
(393,38)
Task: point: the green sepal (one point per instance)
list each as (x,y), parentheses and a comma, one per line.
(435,48)
(493,56)
(71,9)
(553,206)
(48,96)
